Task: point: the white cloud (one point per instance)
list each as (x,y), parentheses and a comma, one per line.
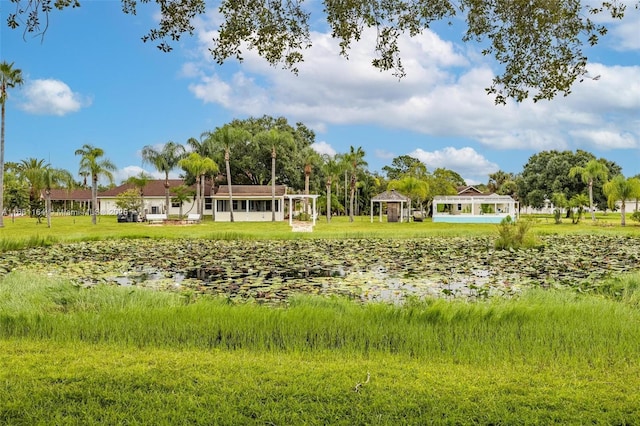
(383,154)
(606,139)
(465,161)
(443,94)
(126,172)
(51,97)
(323,147)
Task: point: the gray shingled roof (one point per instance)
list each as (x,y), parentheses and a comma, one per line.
(391,196)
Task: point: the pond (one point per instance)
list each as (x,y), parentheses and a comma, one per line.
(362,269)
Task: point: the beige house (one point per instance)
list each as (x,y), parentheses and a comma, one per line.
(154,199)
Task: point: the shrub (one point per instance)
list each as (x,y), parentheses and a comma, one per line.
(515,235)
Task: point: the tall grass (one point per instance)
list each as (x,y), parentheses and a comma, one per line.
(541,326)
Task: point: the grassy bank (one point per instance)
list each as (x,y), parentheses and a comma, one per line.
(124,355)
(88,384)
(539,326)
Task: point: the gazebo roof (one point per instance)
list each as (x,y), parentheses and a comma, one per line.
(392,196)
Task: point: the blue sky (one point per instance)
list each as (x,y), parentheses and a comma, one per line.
(91,80)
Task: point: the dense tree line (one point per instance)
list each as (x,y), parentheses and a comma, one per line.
(270,151)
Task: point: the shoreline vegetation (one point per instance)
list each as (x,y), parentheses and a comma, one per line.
(114,354)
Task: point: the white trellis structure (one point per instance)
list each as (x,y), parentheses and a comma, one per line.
(302,197)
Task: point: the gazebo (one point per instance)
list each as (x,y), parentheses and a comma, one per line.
(395,205)
(314,211)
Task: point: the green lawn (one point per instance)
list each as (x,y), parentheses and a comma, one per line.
(27,231)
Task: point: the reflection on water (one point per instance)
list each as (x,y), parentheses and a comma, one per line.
(377,284)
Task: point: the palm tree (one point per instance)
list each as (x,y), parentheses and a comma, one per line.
(331,170)
(51,178)
(92,163)
(225,137)
(164,160)
(274,138)
(412,187)
(621,189)
(355,160)
(497,180)
(140,181)
(9,78)
(198,166)
(309,156)
(32,170)
(16,192)
(181,194)
(592,171)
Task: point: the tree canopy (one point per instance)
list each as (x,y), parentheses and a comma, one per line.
(547,172)
(250,162)
(538,44)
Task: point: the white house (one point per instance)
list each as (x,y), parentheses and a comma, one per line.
(474,207)
(251,203)
(154,199)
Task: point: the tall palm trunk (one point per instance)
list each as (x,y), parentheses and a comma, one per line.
(329,199)
(166,194)
(2,165)
(47,201)
(623,212)
(593,213)
(94,199)
(198,206)
(202,194)
(273,184)
(307,173)
(228,167)
(353,190)
(346,188)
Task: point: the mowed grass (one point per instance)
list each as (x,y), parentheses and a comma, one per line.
(113,355)
(27,232)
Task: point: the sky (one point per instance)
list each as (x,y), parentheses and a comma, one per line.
(91,80)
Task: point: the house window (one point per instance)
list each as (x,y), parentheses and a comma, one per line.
(239,205)
(223,206)
(174,204)
(260,205)
(459,207)
(208,204)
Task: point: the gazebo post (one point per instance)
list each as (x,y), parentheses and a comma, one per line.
(290,211)
(380,212)
(315,213)
(371,211)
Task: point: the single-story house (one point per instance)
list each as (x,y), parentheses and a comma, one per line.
(251,203)
(474,208)
(69,202)
(154,198)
